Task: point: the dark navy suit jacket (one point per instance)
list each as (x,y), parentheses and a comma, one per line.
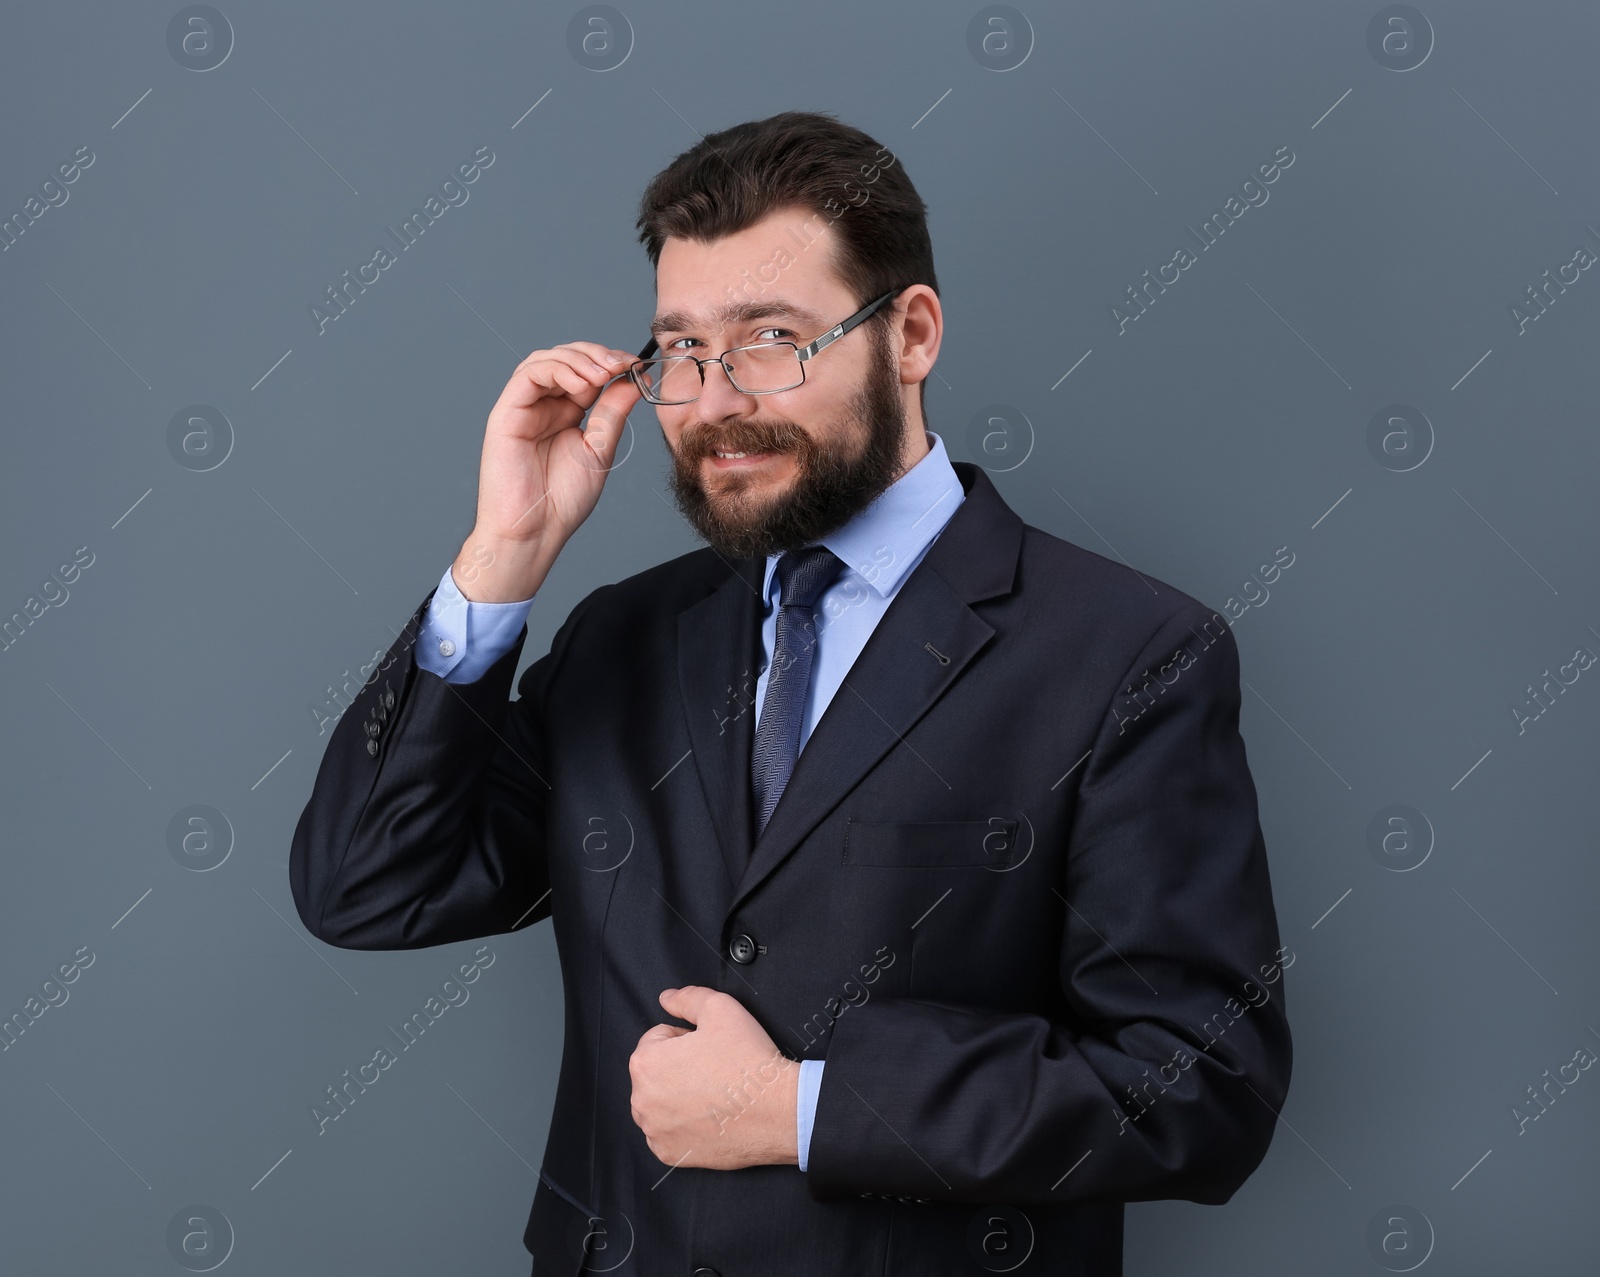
(1015,893)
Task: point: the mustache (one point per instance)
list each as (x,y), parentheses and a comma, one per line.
(702,439)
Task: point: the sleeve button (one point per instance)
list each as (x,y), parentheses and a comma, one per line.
(372,748)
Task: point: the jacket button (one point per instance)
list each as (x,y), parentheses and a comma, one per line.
(742,949)
(705,1272)
(372,729)
(372,748)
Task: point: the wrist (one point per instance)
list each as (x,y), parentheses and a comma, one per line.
(785,1150)
(493,570)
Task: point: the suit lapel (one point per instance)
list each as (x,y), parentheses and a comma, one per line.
(927,636)
(719,658)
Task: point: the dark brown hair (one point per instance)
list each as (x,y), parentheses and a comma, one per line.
(730,180)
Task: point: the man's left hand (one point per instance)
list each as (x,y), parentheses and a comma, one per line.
(720,1095)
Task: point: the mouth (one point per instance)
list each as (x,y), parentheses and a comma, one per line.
(738,460)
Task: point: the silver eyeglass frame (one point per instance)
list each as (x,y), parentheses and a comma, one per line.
(804,354)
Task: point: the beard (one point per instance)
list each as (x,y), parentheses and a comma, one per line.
(837,476)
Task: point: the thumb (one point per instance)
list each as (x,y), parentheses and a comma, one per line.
(608,420)
(687,1003)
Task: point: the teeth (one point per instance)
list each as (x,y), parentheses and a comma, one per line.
(731,455)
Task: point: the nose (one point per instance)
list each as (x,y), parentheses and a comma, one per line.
(718,397)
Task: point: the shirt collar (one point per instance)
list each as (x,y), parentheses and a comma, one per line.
(882,540)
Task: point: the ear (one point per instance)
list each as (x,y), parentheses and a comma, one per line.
(917,332)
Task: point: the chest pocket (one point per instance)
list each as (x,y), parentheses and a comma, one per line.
(931,844)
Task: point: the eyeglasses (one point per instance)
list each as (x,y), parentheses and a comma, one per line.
(763,368)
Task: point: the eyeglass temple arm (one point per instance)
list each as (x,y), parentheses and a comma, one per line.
(833,334)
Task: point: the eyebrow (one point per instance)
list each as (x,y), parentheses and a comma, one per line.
(735,313)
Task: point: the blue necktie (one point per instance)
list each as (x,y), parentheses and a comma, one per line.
(802,577)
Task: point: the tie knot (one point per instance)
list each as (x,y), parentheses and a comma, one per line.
(804,574)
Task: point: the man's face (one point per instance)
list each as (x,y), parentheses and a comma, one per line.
(814,455)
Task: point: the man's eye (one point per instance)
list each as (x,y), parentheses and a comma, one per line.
(761,335)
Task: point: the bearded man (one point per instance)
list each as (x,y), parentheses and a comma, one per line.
(903,859)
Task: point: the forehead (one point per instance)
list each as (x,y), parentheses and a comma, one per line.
(736,313)
(779,268)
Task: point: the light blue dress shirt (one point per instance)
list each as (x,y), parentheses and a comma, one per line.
(879,547)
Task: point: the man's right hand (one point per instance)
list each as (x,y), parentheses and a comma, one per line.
(541,474)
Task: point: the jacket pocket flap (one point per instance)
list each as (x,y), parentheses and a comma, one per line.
(565,1237)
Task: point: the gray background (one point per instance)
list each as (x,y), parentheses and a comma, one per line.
(185,665)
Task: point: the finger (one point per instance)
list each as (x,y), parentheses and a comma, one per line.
(558,374)
(538,377)
(660,1033)
(569,372)
(585,363)
(612,360)
(690,1002)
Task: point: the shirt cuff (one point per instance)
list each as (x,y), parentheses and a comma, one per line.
(460,639)
(806,1105)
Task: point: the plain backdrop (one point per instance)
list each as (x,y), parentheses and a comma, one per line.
(1340,382)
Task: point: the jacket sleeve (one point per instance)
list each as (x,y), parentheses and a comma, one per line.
(1165,1076)
(426,822)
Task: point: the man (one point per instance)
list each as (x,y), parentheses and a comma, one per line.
(903,859)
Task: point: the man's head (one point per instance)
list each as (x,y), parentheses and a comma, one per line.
(778,230)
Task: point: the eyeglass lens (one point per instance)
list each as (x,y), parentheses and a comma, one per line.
(756,370)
